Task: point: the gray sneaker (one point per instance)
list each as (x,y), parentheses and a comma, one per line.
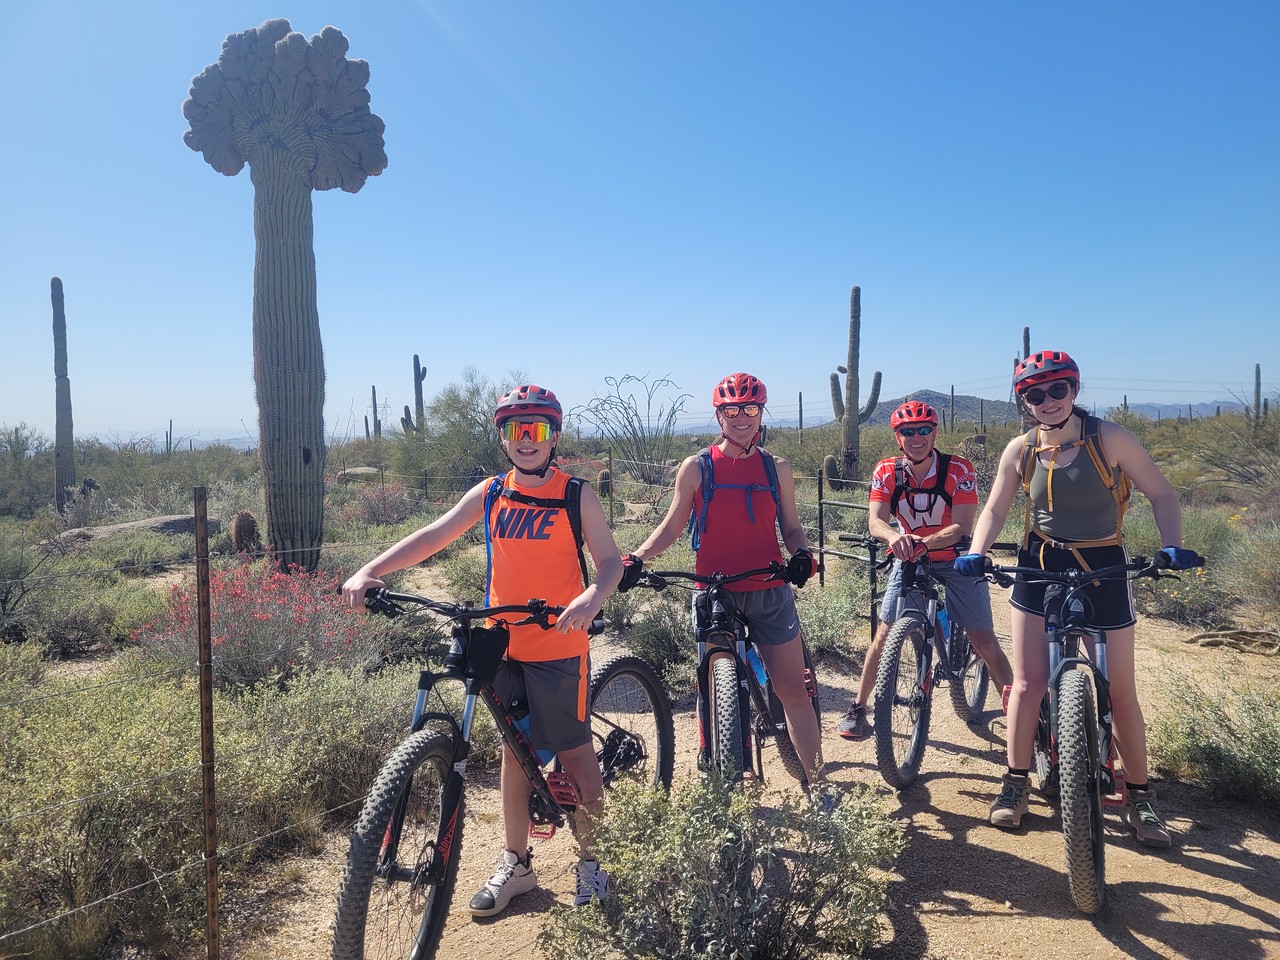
(855,725)
(592,883)
(1015,797)
(512,876)
(1140,816)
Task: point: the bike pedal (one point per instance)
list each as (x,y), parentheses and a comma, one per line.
(564,789)
(542,831)
(1114,799)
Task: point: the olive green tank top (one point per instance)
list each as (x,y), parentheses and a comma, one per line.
(1083,507)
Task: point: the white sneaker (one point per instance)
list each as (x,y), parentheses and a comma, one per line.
(512,876)
(593,883)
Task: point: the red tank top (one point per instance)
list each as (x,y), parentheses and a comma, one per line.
(535,555)
(735,539)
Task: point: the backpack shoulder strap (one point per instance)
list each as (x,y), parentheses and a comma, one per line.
(899,485)
(698,519)
(571,502)
(573,505)
(771,475)
(496,485)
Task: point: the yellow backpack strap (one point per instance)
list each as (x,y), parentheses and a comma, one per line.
(1029,440)
(1121,487)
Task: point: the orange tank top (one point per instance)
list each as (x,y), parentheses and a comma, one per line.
(535,554)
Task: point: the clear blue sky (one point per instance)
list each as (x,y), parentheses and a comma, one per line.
(673,189)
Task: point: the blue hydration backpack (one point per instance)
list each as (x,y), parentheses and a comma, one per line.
(698,521)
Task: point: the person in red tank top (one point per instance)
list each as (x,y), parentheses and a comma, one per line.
(533,551)
(741,534)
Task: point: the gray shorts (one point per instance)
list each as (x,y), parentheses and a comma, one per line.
(771,614)
(968,603)
(548,698)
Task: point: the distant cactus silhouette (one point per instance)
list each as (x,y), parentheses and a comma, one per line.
(604,484)
(415,425)
(64,455)
(846,407)
(297,112)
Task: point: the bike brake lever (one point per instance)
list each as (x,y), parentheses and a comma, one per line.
(377,602)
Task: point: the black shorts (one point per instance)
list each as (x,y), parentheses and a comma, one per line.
(1112,599)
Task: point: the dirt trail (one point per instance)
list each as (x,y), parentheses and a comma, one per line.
(961,889)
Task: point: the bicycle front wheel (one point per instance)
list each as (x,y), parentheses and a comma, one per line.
(969,678)
(1080,779)
(631,723)
(726,739)
(904,698)
(403,858)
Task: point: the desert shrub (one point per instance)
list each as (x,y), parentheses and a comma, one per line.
(1222,733)
(265,625)
(662,633)
(832,616)
(1251,567)
(706,872)
(1196,597)
(464,568)
(102,792)
(375,505)
(139,552)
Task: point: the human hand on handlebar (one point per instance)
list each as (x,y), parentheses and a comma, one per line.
(632,572)
(800,567)
(970,565)
(357,585)
(908,547)
(1178,558)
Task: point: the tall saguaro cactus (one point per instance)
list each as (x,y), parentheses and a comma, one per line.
(297,112)
(64,460)
(416,427)
(846,407)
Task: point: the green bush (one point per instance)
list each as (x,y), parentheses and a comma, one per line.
(706,872)
(1223,734)
(834,615)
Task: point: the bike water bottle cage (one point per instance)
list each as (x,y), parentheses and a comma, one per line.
(698,519)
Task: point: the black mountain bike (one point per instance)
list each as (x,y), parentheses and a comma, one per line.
(403,858)
(1075,753)
(907,673)
(738,709)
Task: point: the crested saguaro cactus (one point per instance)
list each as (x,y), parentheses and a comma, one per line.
(64,460)
(846,407)
(297,112)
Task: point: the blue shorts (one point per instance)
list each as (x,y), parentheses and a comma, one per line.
(968,602)
(548,699)
(772,618)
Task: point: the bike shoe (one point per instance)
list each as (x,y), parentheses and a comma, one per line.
(855,726)
(1011,805)
(592,883)
(512,876)
(1140,816)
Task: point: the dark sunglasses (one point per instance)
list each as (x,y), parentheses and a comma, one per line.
(731,410)
(1035,396)
(912,431)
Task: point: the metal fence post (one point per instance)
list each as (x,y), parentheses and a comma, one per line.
(613,482)
(203,620)
(822,538)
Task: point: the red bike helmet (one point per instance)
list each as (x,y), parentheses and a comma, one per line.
(529,400)
(739,388)
(913,411)
(1043,367)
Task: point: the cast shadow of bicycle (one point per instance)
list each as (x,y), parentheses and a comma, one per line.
(950,867)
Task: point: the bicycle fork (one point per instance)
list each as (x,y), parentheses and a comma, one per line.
(1113,791)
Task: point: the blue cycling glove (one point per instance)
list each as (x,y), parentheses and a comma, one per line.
(1180,558)
(969,565)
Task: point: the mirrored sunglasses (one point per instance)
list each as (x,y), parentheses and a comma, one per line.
(731,410)
(1035,396)
(912,431)
(535,431)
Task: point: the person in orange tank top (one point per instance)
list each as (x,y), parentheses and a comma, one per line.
(740,534)
(534,554)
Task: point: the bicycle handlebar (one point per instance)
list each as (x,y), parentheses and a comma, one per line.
(383,601)
(659,579)
(1135,569)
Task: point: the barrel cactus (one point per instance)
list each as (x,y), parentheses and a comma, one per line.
(297,112)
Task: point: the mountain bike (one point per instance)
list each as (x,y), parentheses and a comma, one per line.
(403,859)
(737,707)
(907,674)
(1075,752)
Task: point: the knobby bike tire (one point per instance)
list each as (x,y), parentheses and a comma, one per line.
(968,687)
(726,746)
(904,697)
(382,919)
(1043,756)
(631,722)
(786,749)
(1082,827)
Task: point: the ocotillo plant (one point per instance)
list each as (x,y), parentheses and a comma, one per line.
(846,407)
(297,112)
(64,459)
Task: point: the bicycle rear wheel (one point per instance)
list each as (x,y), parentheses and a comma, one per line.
(970,679)
(403,858)
(631,723)
(726,740)
(1082,827)
(904,697)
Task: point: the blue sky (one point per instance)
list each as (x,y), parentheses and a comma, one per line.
(582,190)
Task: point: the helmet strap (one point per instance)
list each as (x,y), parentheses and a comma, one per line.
(745,450)
(540,472)
(1059,425)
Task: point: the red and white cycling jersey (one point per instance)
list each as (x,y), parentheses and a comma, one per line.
(922,511)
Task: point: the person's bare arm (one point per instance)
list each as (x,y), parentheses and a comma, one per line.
(688,479)
(1131,456)
(604,553)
